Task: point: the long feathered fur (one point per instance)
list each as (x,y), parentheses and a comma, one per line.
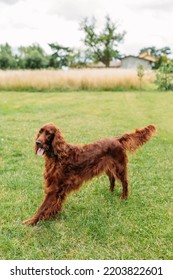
(67,166)
(132,141)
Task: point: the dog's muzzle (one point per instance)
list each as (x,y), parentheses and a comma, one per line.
(40,150)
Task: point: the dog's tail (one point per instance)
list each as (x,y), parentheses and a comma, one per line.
(132,141)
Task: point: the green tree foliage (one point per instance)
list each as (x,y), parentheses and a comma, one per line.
(161,54)
(7,60)
(102,46)
(32,57)
(164,76)
(78,59)
(156,52)
(62,56)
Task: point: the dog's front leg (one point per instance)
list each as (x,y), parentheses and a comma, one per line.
(52,204)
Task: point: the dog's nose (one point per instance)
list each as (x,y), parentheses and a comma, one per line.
(38,142)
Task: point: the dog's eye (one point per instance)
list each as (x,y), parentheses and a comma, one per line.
(41,131)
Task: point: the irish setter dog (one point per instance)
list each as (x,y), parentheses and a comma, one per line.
(67,166)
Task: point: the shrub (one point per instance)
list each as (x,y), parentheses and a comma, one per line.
(140,74)
(164,76)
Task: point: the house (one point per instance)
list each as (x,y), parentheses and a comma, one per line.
(132,62)
(129,62)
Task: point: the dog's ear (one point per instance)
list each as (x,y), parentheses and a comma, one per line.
(55,142)
(59,144)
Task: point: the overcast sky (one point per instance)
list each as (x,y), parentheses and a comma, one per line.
(147,22)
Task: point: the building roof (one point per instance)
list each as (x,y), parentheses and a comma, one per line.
(147,56)
(132,56)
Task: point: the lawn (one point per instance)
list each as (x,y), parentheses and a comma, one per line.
(94,224)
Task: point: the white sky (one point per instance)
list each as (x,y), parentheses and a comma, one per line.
(147,22)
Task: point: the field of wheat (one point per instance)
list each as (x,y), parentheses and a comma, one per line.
(74,79)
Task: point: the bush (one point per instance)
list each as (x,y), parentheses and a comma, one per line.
(164,76)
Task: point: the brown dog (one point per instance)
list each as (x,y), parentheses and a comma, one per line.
(67,166)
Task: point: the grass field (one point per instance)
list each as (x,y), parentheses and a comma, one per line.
(94,224)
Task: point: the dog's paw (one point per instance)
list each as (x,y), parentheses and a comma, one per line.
(31,222)
(124,197)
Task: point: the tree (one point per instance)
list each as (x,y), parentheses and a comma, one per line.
(140,74)
(161,54)
(78,59)
(32,57)
(102,46)
(7,59)
(26,50)
(34,60)
(62,56)
(156,52)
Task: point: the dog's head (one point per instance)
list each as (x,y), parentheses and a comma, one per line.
(46,140)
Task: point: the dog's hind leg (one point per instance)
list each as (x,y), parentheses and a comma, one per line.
(119,171)
(121,174)
(111,180)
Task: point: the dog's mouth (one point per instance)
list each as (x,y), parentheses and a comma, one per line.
(40,152)
(42,148)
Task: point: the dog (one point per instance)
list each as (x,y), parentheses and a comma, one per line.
(67,166)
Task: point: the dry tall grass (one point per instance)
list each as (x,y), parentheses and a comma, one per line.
(96,79)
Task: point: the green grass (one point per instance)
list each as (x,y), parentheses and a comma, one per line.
(94,223)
